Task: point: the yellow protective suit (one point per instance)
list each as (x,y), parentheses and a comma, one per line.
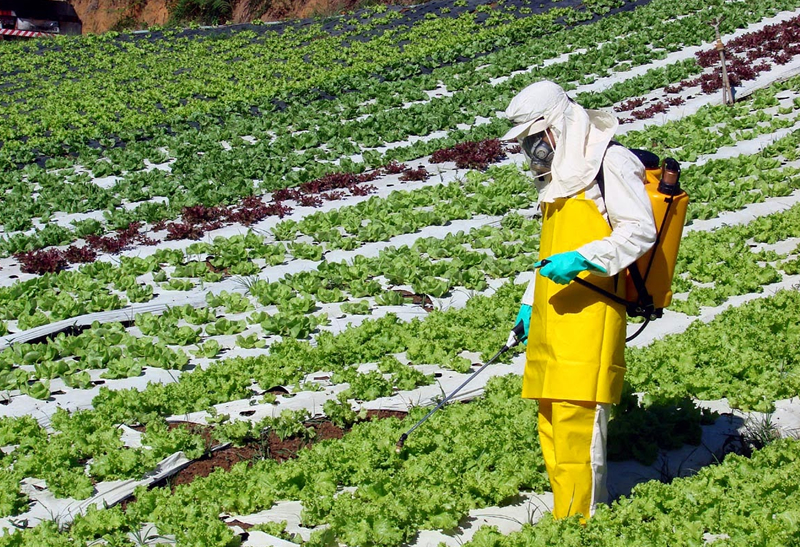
(573,438)
(576,344)
(575,361)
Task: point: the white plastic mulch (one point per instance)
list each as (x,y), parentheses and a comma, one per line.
(530,506)
(45,506)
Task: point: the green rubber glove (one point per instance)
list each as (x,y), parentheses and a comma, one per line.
(564,267)
(524,317)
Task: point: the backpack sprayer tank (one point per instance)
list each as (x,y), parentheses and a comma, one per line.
(649,279)
(669,202)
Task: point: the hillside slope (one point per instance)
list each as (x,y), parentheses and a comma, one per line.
(104,15)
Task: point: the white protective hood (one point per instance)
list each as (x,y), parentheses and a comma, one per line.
(582,136)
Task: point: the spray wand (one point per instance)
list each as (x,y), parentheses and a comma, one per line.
(517,337)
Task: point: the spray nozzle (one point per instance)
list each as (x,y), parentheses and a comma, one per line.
(400,443)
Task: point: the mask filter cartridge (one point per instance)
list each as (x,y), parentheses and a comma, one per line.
(539,153)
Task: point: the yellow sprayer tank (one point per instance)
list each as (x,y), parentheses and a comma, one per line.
(669,203)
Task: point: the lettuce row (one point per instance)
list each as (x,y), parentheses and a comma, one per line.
(486,101)
(376,337)
(492,452)
(749,354)
(713,266)
(742,501)
(298,64)
(711,187)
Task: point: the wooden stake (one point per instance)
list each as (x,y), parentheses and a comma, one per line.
(727,92)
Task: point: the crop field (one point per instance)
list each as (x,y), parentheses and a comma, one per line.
(237,263)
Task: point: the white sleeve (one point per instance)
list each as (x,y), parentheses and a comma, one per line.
(527,298)
(633,230)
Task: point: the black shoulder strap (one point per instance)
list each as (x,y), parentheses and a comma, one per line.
(601,177)
(648,159)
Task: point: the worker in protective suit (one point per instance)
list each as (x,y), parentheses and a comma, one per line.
(576,337)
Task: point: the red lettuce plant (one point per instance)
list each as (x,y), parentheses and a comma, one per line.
(42,261)
(123,239)
(629,105)
(82,255)
(332,195)
(650,111)
(415,174)
(394,168)
(309,200)
(361,189)
(471,154)
(177,230)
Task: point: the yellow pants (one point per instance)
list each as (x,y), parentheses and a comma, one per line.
(573,439)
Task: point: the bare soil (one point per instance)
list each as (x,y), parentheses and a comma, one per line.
(422,300)
(272,447)
(100,16)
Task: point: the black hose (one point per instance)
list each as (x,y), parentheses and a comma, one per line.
(638,332)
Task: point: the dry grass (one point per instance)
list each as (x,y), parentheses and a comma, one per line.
(103,15)
(292,9)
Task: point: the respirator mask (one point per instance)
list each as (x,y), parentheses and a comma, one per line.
(539,153)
